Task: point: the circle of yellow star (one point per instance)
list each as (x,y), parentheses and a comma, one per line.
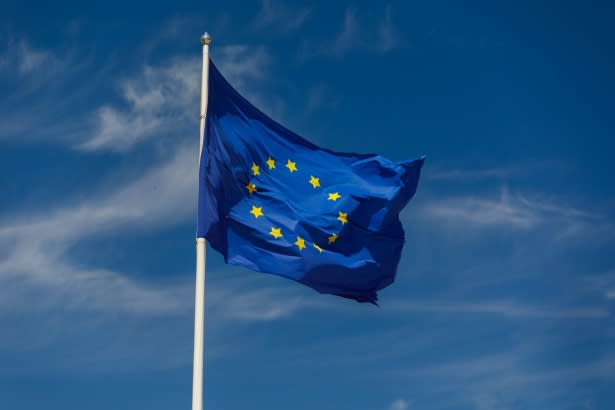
(271,163)
(332,238)
(276,232)
(334,196)
(300,242)
(257,211)
(255,169)
(342,217)
(318,248)
(292,166)
(251,188)
(315,182)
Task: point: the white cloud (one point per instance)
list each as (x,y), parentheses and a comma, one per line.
(510,379)
(349,37)
(158,101)
(511,211)
(246,298)
(320,97)
(503,308)
(387,38)
(31,59)
(354,34)
(280,17)
(246,70)
(465,174)
(159,104)
(485,212)
(399,404)
(30,78)
(161,101)
(603,283)
(315,98)
(164,195)
(57,284)
(241,65)
(35,244)
(21,57)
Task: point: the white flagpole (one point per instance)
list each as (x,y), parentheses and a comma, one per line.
(199,296)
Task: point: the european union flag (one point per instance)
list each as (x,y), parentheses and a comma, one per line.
(271,201)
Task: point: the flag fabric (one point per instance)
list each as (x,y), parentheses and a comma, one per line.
(273,202)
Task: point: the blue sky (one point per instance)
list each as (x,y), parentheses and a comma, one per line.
(505,293)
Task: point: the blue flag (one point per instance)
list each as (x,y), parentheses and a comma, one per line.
(273,202)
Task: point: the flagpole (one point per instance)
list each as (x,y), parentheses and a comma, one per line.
(199,295)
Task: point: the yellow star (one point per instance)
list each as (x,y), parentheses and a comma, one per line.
(251,188)
(318,248)
(257,211)
(255,169)
(342,217)
(332,238)
(292,166)
(300,243)
(271,163)
(276,232)
(315,182)
(334,196)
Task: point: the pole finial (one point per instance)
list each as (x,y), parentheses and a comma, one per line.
(206,39)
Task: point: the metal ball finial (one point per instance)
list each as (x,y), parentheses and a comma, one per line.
(206,39)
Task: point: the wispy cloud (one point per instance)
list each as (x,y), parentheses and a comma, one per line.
(158,103)
(510,379)
(152,98)
(35,245)
(31,78)
(387,38)
(473,174)
(351,36)
(162,196)
(249,300)
(21,57)
(320,97)
(399,404)
(508,210)
(161,98)
(278,16)
(245,68)
(503,308)
(242,65)
(603,283)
